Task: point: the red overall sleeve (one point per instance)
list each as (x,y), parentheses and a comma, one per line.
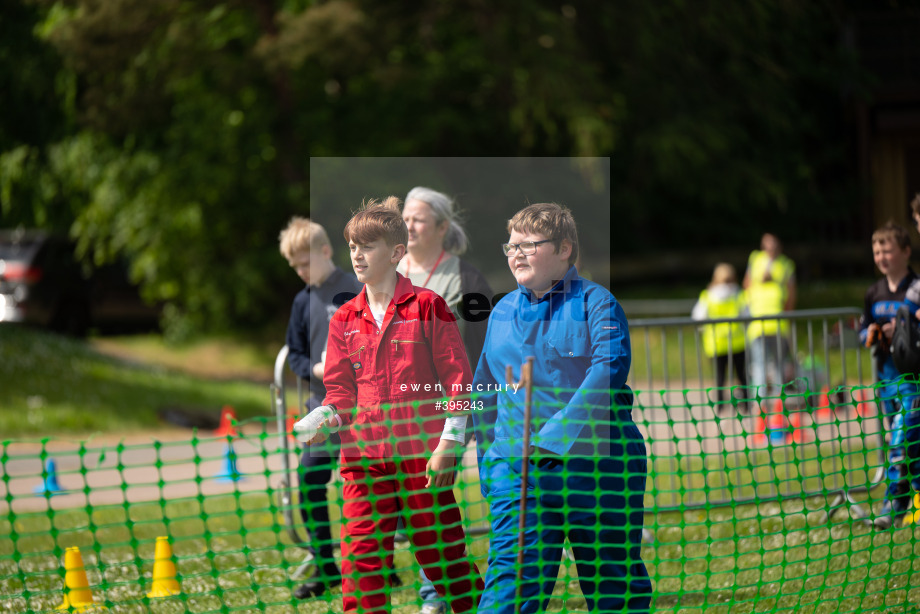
(339,377)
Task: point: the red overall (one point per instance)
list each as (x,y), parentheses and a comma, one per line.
(377,380)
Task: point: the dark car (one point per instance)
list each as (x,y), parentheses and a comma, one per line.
(42,283)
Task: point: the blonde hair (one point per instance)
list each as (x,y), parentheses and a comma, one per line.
(375,220)
(724,273)
(553,221)
(301,235)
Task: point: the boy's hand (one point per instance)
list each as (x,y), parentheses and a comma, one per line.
(323,434)
(319,369)
(871,334)
(440,467)
(888,329)
(316,426)
(544,459)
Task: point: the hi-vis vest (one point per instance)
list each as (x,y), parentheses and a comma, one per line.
(716,336)
(767,298)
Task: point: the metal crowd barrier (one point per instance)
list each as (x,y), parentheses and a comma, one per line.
(675,380)
(664,348)
(289,479)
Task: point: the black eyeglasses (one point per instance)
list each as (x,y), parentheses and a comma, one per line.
(527,247)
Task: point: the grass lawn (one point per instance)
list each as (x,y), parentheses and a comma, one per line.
(53,385)
(232,555)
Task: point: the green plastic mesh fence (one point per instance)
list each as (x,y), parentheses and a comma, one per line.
(748,507)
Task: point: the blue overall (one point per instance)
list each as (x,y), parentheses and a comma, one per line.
(581,412)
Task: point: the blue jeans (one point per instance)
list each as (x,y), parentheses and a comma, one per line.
(770,364)
(597,503)
(898,397)
(900,404)
(427,592)
(904,454)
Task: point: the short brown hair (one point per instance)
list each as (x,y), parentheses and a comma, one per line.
(553,221)
(301,235)
(375,220)
(892,232)
(915,204)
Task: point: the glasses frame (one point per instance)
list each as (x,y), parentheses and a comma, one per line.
(512,248)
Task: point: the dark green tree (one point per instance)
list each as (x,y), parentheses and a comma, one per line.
(181,131)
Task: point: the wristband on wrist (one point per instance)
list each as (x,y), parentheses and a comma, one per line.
(338,418)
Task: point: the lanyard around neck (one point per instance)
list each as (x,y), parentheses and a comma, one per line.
(433,269)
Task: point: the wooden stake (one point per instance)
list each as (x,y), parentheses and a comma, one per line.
(527,383)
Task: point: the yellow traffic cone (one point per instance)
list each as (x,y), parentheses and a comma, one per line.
(77,596)
(164,571)
(914,516)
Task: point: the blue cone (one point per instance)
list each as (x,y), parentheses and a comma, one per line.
(49,485)
(229,473)
(778,437)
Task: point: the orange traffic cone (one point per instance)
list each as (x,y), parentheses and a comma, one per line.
(823,411)
(164,571)
(227,426)
(77,594)
(799,434)
(759,433)
(292,415)
(865,403)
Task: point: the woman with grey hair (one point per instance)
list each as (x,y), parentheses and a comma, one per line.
(436,240)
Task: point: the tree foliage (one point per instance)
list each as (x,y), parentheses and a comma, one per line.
(178,133)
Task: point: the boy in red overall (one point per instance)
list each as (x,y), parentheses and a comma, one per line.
(389,349)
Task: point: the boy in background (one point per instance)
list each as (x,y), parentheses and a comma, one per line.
(891,252)
(305,245)
(907,437)
(392,353)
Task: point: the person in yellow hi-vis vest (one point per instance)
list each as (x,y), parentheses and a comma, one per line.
(722,299)
(770,285)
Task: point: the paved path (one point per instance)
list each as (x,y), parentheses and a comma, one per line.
(167,465)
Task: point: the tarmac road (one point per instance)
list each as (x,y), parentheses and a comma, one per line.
(168,465)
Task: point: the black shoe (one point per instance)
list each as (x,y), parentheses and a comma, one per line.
(892,512)
(316,587)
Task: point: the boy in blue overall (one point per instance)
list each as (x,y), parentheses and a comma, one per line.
(589,459)
(891,252)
